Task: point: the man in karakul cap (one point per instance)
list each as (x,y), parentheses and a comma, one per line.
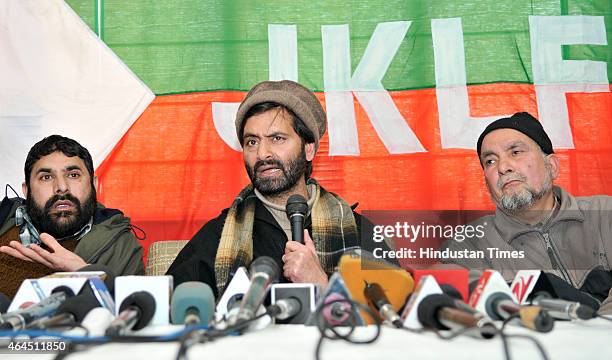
(279,125)
(548,228)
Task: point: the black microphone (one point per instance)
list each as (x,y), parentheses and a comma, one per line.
(458,303)
(563,309)
(5,302)
(439,311)
(135,312)
(19,319)
(375,294)
(72,311)
(296,209)
(264,271)
(451,291)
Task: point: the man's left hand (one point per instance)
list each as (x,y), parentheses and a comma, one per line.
(58,258)
(302,264)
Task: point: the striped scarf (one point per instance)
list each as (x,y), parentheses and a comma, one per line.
(332,223)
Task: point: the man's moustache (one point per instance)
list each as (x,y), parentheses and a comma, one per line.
(503,180)
(261,163)
(56,198)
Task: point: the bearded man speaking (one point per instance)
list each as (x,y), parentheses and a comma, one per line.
(60,226)
(279,125)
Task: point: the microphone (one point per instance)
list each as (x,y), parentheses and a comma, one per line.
(333,306)
(234,292)
(296,209)
(336,310)
(452,278)
(375,295)
(361,268)
(135,312)
(451,291)
(295,302)
(491,295)
(439,311)
(193,303)
(427,285)
(4,303)
(18,320)
(97,321)
(563,309)
(264,271)
(72,311)
(500,306)
(285,308)
(230,313)
(528,283)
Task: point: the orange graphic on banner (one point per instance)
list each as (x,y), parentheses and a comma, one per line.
(171,172)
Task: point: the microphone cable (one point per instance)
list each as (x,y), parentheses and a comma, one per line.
(448,335)
(506,346)
(501,331)
(198,334)
(605,317)
(329,331)
(6,189)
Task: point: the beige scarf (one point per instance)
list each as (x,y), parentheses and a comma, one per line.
(332,223)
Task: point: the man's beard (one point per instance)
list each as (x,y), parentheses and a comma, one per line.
(292,172)
(62,223)
(524,198)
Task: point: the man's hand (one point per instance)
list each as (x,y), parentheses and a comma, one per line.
(302,263)
(58,259)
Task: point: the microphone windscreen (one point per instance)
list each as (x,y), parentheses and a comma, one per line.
(5,302)
(427,311)
(145,303)
(192,295)
(451,291)
(79,306)
(109,279)
(296,204)
(585,312)
(65,289)
(267,265)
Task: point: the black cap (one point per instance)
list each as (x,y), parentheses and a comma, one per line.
(523,122)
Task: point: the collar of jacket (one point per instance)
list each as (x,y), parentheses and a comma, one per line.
(510,228)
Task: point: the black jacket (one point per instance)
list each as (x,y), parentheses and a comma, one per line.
(196,262)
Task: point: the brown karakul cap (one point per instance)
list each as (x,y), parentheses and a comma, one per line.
(293,96)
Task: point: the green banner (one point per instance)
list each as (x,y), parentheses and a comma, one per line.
(195,45)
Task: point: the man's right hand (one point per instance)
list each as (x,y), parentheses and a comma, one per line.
(58,258)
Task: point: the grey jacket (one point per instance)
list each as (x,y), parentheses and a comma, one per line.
(573,241)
